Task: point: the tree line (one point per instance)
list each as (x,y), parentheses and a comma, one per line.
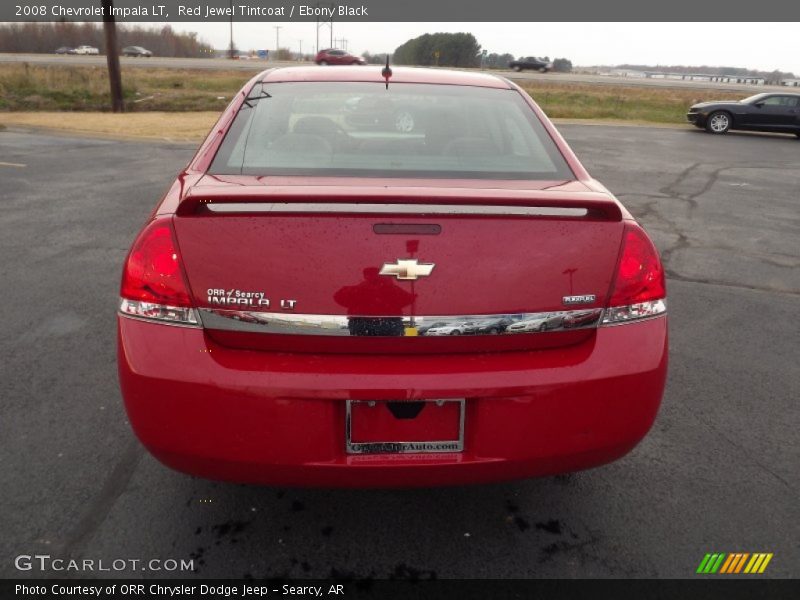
(47,37)
(770,76)
(440,49)
(452,50)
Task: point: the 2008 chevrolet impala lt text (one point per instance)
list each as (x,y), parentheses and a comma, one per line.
(328,293)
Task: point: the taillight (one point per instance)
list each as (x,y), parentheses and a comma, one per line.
(153,284)
(639,288)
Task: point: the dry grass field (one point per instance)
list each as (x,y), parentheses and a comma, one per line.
(75,98)
(171,127)
(25,87)
(650,104)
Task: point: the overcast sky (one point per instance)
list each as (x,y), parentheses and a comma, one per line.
(765,46)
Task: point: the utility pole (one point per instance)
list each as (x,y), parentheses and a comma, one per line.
(323,24)
(277,39)
(112,57)
(231,50)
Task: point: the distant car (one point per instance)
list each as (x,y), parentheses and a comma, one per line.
(488,327)
(423,329)
(332,56)
(65,50)
(581,318)
(533,63)
(451,329)
(762,112)
(86,50)
(541,323)
(244,316)
(136,51)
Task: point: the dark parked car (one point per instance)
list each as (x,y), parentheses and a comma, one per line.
(136,51)
(488,326)
(580,318)
(532,62)
(763,112)
(65,50)
(332,56)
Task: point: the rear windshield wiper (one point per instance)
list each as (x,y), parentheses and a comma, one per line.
(256,97)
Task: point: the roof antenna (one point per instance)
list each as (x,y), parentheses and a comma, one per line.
(386,72)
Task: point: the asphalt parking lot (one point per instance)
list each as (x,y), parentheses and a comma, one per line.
(720,471)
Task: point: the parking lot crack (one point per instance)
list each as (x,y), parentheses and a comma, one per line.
(748,454)
(100,506)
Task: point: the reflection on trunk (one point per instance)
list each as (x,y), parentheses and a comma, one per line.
(375,294)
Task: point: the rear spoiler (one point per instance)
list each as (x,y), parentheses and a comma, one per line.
(421,200)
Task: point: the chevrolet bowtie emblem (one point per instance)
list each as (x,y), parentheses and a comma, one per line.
(407,269)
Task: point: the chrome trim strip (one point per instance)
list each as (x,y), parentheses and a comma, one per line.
(638,320)
(160,313)
(394,326)
(159,321)
(634,313)
(380,209)
(436,447)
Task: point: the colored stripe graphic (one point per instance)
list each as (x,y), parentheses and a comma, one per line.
(741,562)
(711,562)
(753,563)
(758,563)
(727,564)
(703,563)
(738,563)
(718,562)
(765,563)
(722,563)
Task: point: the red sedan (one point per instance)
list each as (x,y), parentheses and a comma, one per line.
(333,56)
(277,308)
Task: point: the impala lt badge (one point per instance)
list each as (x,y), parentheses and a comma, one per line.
(407,268)
(243,298)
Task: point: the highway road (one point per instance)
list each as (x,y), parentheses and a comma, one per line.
(256,65)
(719,472)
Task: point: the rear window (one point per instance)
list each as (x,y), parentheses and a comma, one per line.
(410,130)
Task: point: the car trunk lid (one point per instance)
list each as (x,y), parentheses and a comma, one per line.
(348,255)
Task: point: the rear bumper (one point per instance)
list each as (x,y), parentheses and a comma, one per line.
(279,419)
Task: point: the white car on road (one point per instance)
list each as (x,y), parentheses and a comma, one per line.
(541,323)
(86,50)
(454,329)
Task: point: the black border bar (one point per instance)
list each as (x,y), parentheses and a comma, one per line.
(410,588)
(445,11)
